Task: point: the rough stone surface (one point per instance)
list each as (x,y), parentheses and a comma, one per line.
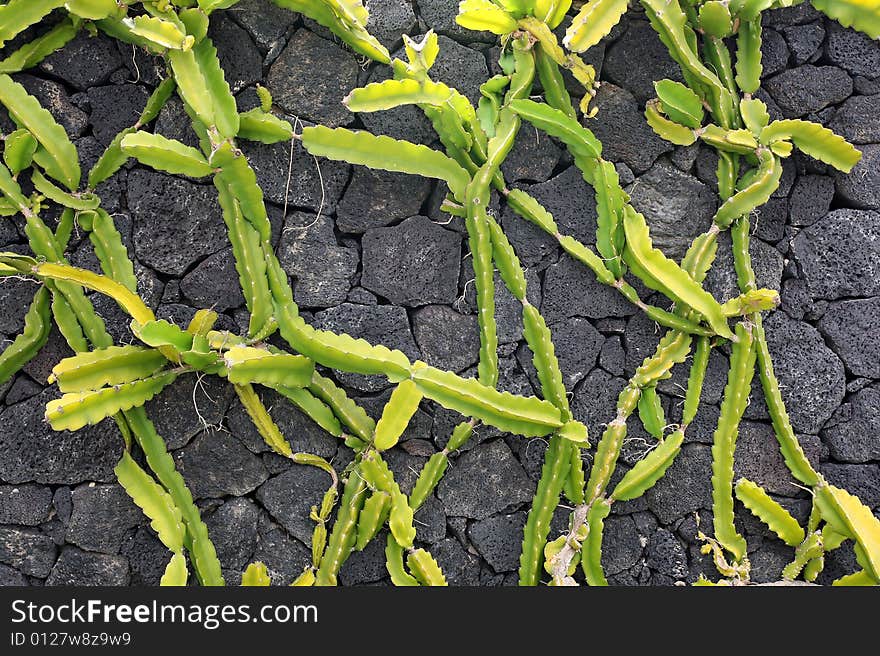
(447,339)
(499,540)
(852,50)
(641,44)
(854,119)
(808,88)
(861,187)
(27,505)
(840,255)
(217,464)
(102,515)
(78,567)
(853,433)
(848,326)
(409,276)
(214,283)
(485,480)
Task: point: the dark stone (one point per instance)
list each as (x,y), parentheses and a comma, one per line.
(440,15)
(78,567)
(769,561)
(406,122)
(54,98)
(861,480)
(612,356)
(55,350)
(375,199)
(85,61)
(321,269)
(289,496)
(484,481)
(303,85)
(640,44)
(189,404)
(853,433)
(861,186)
(721,281)
(686,486)
(174,123)
(797,15)
(404,465)
(622,129)
(176,223)
(854,51)
(774,52)
(850,328)
(389,19)
(677,206)
(804,41)
(805,89)
(571,290)
(367,566)
(378,324)
(233,530)
(27,550)
(856,121)
(621,544)
(577,346)
(316,184)
(32,451)
(811,376)
(266,23)
(430,520)
(115,108)
(15,296)
(758,459)
(27,505)
(499,540)
(460,567)
(214,283)
(810,199)
(533,158)
(303,434)
(595,399)
(23,388)
(102,515)
(284,557)
(147,557)
(216,464)
(666,556)
(11,577)
(448,340)
(840,255)
(771,220)
(238,54)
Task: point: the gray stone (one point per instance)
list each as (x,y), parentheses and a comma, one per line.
(499,540)
(217,464)
(621,545)
(11,577)
(460,567)
(176,223)
(430,520)
(532,159)
(27,550)
(147,557)
(758,458)
(686,486)
(804,41)
(484,481)
(32,451)
(677,206)
(322,271)
(214,283)
(622,129)
(448,340)
(854,51)
(289,496)
(853,433)
(861,480)
(666,556)
(85,61)
(811,376)
(81,568)
(266,23)
(851,330)
(375,199)
(183,409)
(389,19)
(856,121)
(16,296)
(115,108)
(26,505)
(303,181)
(721,280)
(102,516)
(55,99)
(774,52)
(406,122)
(233,530)
(571,290)
(861,186)
(414,263)
(284,557)
(378,324)
(637,59)
(595,399)
(810,199)
(238,54)
(805,89)
(840,255)
(367,566)
(577,345)
(440,15)
(303,84)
